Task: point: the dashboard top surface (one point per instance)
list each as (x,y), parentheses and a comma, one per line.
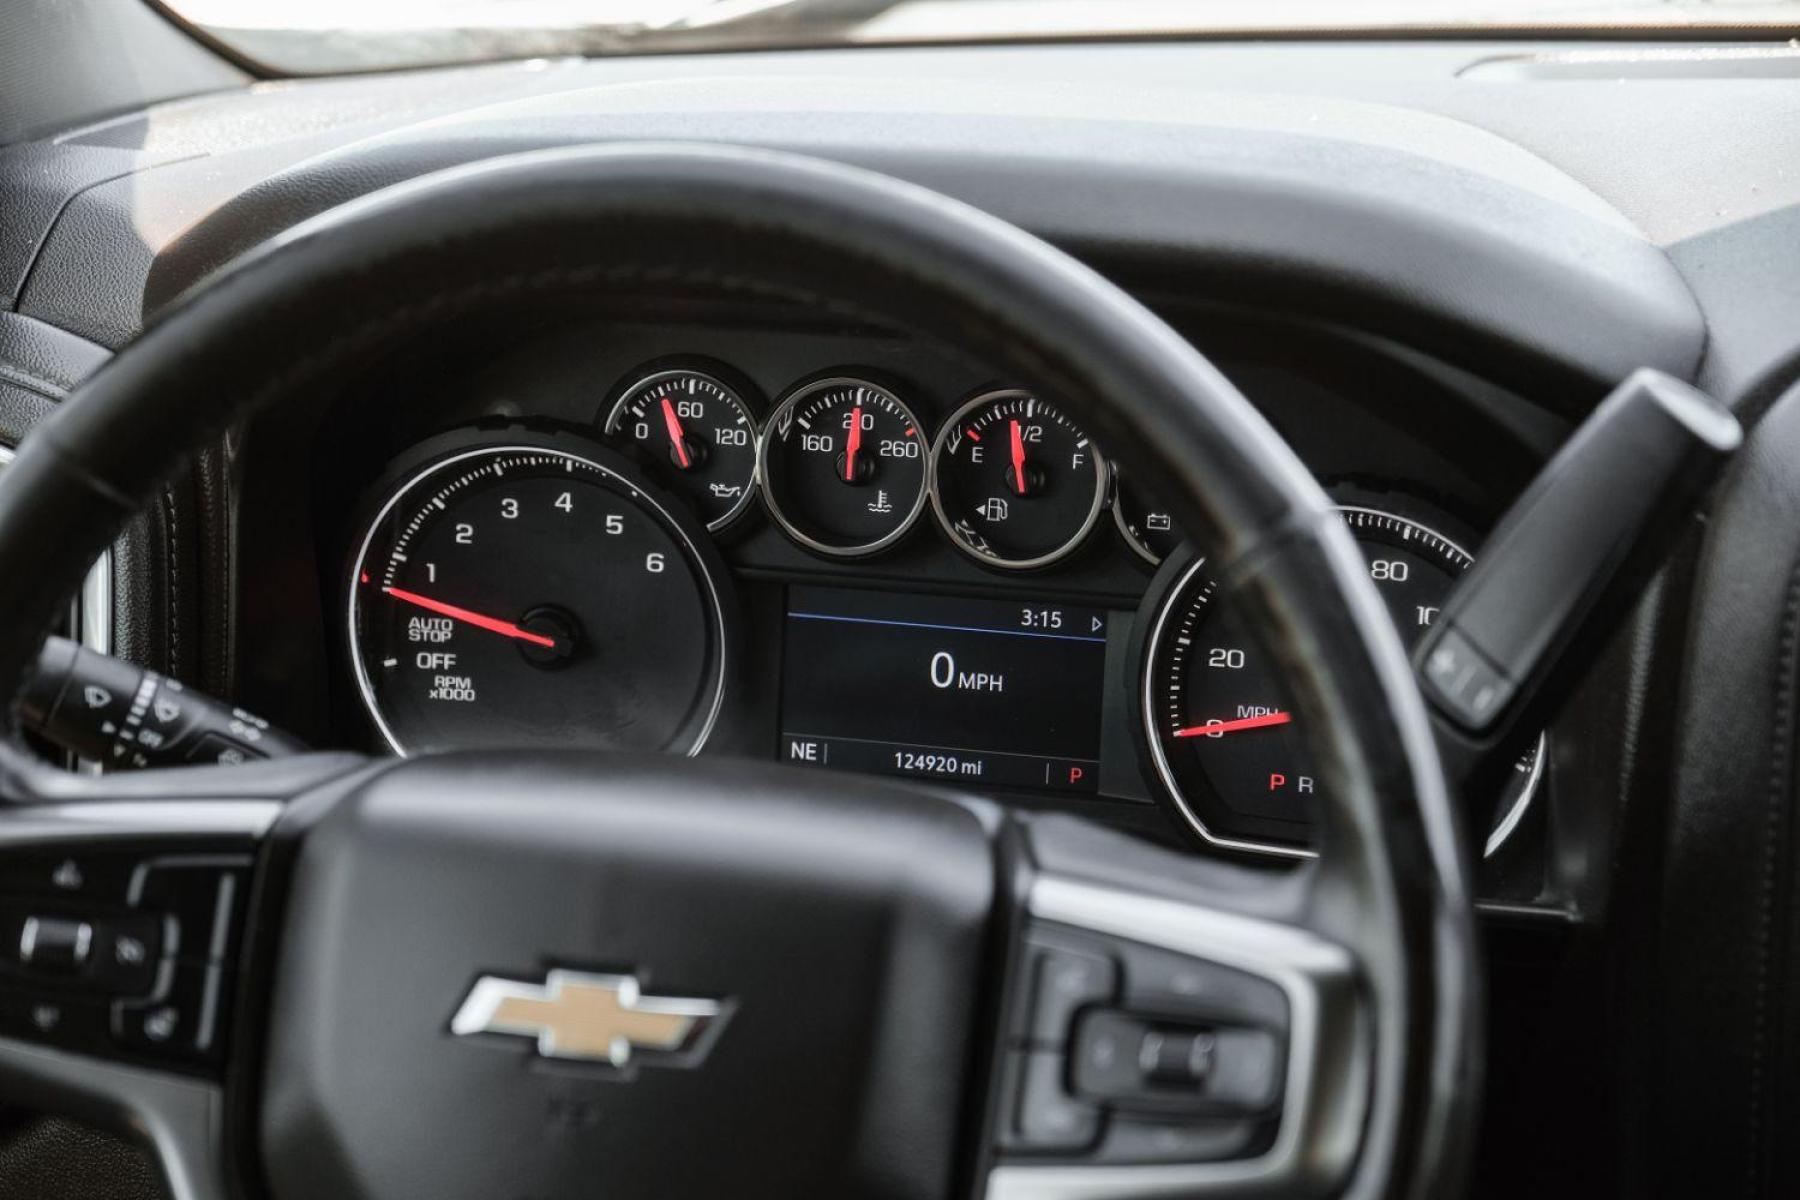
(1511,217)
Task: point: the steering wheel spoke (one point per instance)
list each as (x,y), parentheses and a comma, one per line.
(1172,1028)
(123,906)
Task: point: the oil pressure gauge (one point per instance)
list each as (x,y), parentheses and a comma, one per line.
(698,437)
(1015,483)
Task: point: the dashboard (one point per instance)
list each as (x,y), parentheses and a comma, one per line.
(1423,261)
(744,532)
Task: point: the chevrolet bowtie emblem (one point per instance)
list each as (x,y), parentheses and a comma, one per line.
(601,1018)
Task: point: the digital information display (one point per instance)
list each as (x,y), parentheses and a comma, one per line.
(999,693)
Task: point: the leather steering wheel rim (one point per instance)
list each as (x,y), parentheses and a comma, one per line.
(794,230)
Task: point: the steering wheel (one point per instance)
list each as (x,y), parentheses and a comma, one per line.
(782,982)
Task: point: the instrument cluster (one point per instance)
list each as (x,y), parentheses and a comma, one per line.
(894,568)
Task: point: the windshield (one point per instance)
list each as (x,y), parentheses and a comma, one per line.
(311,36)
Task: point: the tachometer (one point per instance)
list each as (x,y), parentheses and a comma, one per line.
(535,593)
(1216,713)
(843,467)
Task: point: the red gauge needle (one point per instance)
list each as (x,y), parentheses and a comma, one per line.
(677,436)
(495,624)
(854,444)
(1018,457)
(1262,722)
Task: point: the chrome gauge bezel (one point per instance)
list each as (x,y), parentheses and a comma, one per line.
(610,427)
(398,491)
(1165,772)
(1117,504)
(767,441)
(1138,548)
(939,446)
(1503,829)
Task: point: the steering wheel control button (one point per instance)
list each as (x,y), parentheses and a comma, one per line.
(1134,1140)
(1246,1070)
(68,879)
(1163,1056)
(179,1024)
(55,945)
(121,955)
(1120,1058)
(1047,1116)
(1176,1058)
(1180,987)
(127,953)
(201,897)
(64,1021)
(1066,976)
(94,949)
(1147,1064)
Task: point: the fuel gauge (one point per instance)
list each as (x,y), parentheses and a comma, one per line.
(1014,482)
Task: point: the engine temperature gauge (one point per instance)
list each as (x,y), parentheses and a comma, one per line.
(1014,482)
(843,467)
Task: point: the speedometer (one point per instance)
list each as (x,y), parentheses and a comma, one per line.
(1216,714)
(534,592)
